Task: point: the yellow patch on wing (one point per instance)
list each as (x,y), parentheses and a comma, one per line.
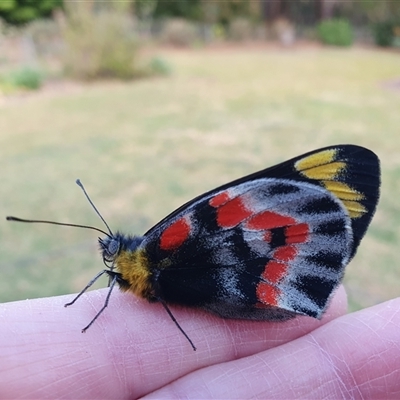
(324,172)
(343,191)
(321,158)
(355,209)
(324,168)
(134,268)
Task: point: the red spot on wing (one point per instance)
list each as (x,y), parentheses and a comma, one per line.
(297,233)
(232,213)
(285,253)
(219,199)
(175,235)
(268,294)
(269,220)
(274,271)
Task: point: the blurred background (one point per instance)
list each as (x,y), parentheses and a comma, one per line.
(151,103)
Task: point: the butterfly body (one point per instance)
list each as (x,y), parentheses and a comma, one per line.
(268,246)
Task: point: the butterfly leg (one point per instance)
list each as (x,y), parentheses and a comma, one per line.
(176,322)
(86,287)
(113,282)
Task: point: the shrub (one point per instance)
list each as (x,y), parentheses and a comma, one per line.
(284,31)
(218,32)
(154,66)
(99,44)
(396,39)
(158,66)
(383,33)
(179,32)
(240,29)
(336,32)
(27,78)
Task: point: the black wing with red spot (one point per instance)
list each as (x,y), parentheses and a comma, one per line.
(270,245)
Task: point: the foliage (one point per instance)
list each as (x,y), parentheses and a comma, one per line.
(145,8)
(27,78)
(188,9)
(336,32)
(384,33)
(100,44)
(21,78)
(240,29)
(378,11)
(219,31)
(231,10)
(158,66)
(155,66)
(396,39)
(201,10)
(17,12)
(179,32)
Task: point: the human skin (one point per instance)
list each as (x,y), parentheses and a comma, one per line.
(134,350)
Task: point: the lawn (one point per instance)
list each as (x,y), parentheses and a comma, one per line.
(145,147)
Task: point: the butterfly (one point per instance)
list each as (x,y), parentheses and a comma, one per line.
(269,246)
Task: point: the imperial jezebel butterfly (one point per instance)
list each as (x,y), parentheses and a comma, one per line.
(268,246)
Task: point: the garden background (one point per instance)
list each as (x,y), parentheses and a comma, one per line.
(151,103)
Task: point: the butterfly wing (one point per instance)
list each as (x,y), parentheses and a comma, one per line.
(350,172)
(269,245)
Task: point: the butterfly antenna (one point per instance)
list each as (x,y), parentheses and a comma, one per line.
(79,183)
(40,221)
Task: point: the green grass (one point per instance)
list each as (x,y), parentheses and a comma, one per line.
(143,148)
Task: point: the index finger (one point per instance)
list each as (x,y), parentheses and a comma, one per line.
(132,349)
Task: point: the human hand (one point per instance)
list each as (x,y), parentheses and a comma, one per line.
(134,350)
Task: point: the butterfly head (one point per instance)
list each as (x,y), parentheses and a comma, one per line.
(113,245)
(109,247)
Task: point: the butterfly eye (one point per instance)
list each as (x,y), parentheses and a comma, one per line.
(110,248)
(113,248)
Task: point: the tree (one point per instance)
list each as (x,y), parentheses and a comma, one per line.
(189,9)
(18,12)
